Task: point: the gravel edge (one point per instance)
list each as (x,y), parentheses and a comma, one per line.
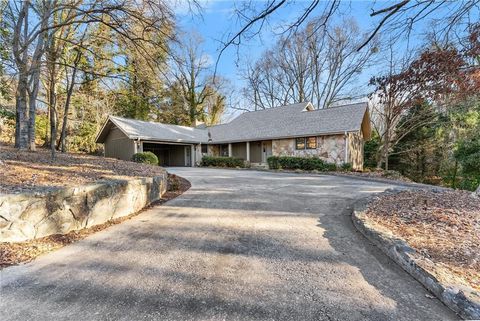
(400,252)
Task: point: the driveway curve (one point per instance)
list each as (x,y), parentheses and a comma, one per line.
(239,245)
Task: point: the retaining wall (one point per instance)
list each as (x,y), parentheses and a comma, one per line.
(33,215)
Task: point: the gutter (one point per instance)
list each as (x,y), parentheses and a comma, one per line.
(346,147)
(281,137)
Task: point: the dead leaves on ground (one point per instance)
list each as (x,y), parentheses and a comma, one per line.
(443,226)
(22,171)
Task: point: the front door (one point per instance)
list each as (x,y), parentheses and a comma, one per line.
(266,150)
(188,156)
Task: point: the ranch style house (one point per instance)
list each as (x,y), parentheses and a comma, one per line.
(335,134)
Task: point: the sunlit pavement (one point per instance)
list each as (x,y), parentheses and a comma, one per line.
(239,245)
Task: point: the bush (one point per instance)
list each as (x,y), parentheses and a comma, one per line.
(222,161)
(273,162)
(299,163)
(145,158)
(347,167)
(173,183)
(330,167)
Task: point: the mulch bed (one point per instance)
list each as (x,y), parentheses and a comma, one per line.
(442,226)
(24,171)
(22,252)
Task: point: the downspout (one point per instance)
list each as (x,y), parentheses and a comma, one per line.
(346,148)
(135,145)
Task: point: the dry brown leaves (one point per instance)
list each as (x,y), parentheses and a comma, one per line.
(15,253)
(22,171)
(392,175)
(444,227)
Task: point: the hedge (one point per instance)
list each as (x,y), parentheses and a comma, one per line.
(222,161)
(303,163)
(145,158)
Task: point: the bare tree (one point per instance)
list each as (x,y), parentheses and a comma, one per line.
(400,17)
(318,64)
(33,23)
(28,47)
(191,74)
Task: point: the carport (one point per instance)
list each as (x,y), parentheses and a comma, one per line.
(174,145)
(170,154)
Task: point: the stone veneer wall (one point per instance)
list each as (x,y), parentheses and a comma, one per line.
(355,150)
(330,148)
(213,150)
(28,216)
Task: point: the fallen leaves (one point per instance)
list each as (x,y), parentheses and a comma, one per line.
(22,171)
(443,226)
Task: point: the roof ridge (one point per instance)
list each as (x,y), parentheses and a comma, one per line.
(272,108)
(155,122)
(341,106)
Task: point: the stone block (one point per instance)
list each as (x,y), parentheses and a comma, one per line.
(28,216)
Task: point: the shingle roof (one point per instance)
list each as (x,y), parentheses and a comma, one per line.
(137,129)
(280,122)
(290,121)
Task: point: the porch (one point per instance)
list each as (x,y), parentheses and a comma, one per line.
(251,151)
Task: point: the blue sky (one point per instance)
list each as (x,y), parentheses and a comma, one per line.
(218,19)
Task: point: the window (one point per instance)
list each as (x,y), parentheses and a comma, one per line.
(311,142)
(224,150)
(204,149)
(300,143)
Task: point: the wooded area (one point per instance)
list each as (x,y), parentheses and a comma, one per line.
(72,63)
(66,65)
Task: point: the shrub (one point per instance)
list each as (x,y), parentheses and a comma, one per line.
(299,163)
(222,161)
(347,167)
(145,158)
(173,183)
(330,167)
(273,162)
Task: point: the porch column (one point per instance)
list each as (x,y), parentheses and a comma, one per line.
(230,150)
(248,151)
(192,155)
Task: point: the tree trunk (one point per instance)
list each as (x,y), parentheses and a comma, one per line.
(21,124)
(53,125)
(32,102)
(386,145)
(52,97)
(63,135)
(454,177)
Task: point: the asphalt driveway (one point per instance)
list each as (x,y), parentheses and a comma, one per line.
(239,245)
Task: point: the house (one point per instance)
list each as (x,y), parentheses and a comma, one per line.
(335,134)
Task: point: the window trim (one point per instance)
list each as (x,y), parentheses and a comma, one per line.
(306,142)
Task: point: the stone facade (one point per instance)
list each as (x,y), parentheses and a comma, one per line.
(330,148)
(355,150)
(28,216)
(213,150)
